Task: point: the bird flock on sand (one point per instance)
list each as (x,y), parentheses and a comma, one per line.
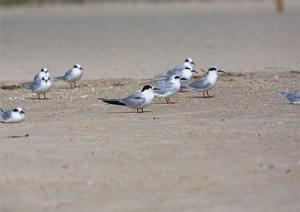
(163,85)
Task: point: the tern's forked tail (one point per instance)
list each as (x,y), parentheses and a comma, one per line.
(112,101)
(27,85)
(59,78)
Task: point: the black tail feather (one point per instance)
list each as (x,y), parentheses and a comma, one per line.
(112,101)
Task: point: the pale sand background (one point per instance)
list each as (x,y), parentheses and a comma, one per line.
(238,151)
(138,41)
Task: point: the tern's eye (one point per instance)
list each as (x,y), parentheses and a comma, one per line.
(15,110)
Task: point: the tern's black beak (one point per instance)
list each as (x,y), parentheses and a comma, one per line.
(155,89)
(194,71)
(22,111)
(193,63)
(221,71)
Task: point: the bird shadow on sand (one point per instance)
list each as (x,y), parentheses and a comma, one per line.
(65,88)
(130,112)
(199,97)
(35,98)
(164,103)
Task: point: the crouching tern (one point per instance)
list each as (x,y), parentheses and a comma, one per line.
(12,116)
(292,97)
(167,87)
(138,100)
(72,75)
(205,83)
(39,86)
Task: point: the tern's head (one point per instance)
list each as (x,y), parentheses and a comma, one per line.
(175,78)
(18,110)
(45,79)
(214,69)
(189,60)
(44,70)
(189,68)
(147,88)
(77,66)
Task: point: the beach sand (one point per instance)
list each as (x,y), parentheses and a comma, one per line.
(236,151)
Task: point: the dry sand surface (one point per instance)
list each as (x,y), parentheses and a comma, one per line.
(238,151)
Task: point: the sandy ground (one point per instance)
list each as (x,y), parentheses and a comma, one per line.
(238,151)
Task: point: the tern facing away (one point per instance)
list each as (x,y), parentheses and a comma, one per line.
(72,75)
(41,86)
(206,82)
(12,116)
(138,100)
(292,97)
(167,87)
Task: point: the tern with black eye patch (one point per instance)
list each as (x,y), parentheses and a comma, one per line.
(205,83)
(72,75)
(184,70)
(39,86)
(15,115)
(167,87)
(138,100)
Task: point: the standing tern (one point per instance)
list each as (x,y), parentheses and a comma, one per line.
(167,87)
(207,82)
(138,100)
(72,75)
(184,70)
(39,86)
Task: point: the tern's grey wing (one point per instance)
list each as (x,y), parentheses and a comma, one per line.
(293,97)
(202,83)
(36,77)
(134,100)
(176,70)
(68,75)
(6,114)
(163,86)
(29,85)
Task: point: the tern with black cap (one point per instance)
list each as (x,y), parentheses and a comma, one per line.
(138,100)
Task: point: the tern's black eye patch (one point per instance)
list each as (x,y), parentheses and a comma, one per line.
(15,110)
(212,69)
(188,68)
(177,77)
(146,87)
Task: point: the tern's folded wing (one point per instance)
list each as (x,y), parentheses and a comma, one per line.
(134,100)
(200,84)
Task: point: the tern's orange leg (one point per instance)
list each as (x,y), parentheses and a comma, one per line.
(207,93)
